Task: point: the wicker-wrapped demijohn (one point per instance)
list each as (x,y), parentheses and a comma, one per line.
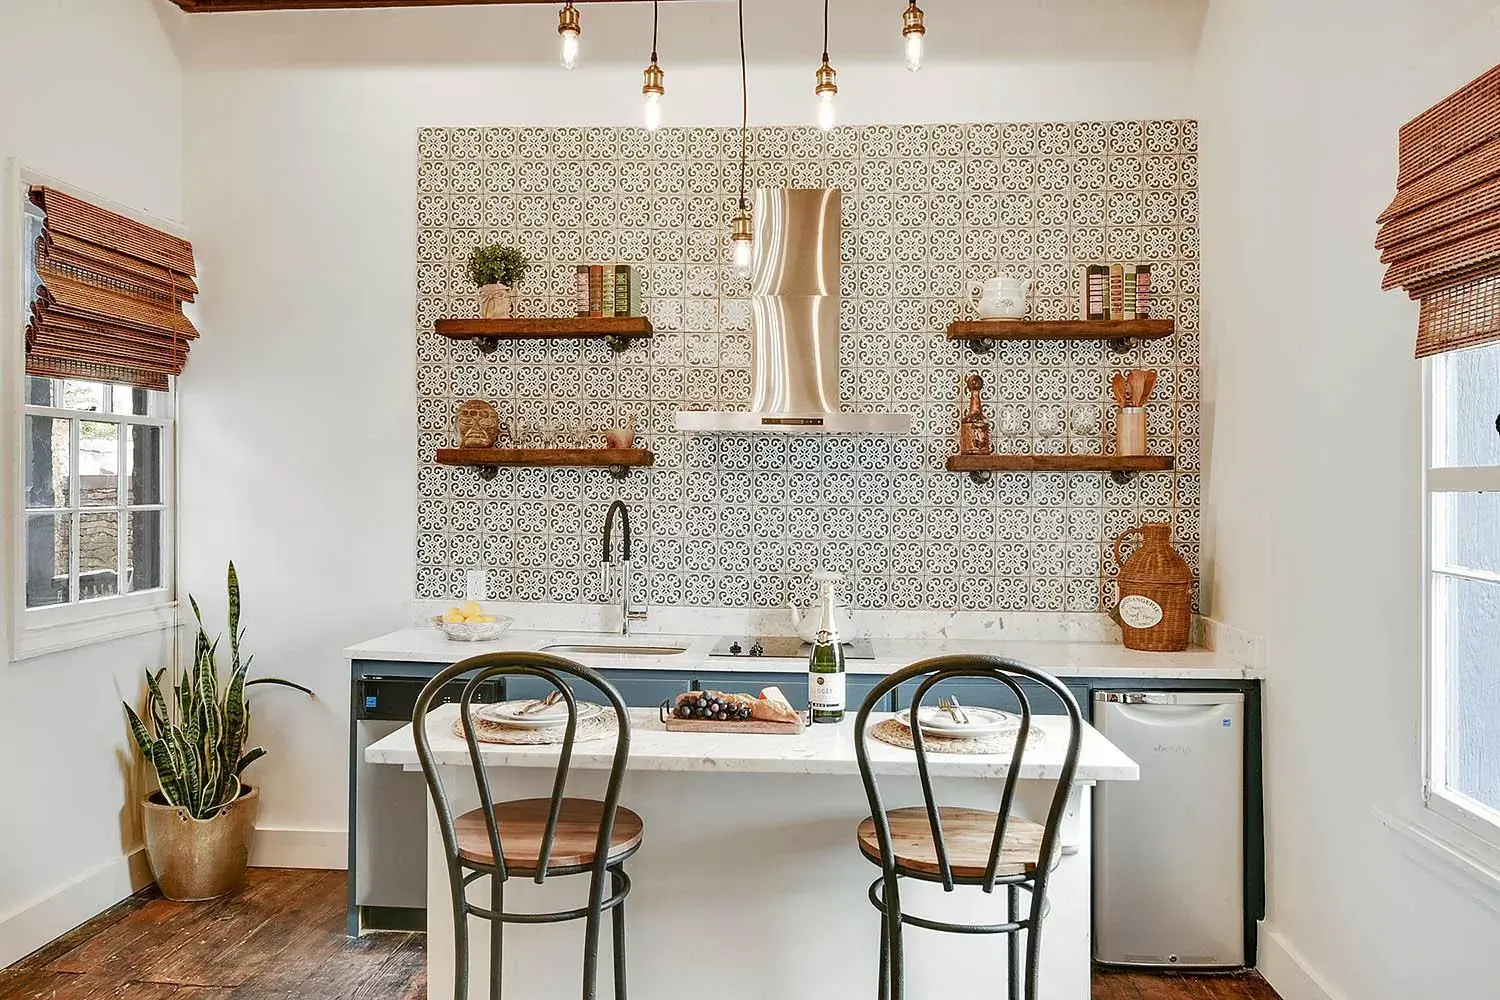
(1155,611)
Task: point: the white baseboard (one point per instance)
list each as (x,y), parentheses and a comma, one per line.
(1287,971)
(33,924)
(275,847)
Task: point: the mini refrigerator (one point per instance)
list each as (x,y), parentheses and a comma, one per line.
(1169,851)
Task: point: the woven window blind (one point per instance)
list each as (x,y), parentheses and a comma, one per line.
(1440,235)
(110,303)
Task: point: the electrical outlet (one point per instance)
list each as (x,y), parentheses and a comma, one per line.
(474,585)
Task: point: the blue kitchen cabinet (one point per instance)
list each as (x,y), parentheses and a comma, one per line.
(638,688)
(982,693)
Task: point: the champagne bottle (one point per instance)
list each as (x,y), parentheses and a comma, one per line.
(825,666)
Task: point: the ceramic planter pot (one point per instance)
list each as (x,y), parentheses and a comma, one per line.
(497,301)
(200,858)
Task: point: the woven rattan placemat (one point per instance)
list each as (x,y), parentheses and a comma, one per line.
(486,731)
(899,735)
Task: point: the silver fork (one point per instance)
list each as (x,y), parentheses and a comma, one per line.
(953,708)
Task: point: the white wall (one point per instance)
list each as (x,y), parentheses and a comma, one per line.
(299,425)
(1312,403)
(111,124)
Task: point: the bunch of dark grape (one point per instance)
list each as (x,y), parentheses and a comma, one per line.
(713,705)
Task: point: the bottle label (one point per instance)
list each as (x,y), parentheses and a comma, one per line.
(1140,612)
(825,692)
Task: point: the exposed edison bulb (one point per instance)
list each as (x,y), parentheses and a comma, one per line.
(914,51)
(653,90)
(653,111)
(569,27)
(827,112)
(742,238)
(742,252)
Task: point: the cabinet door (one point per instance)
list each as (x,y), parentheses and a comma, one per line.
(992,694)
(794,685)
(638,688)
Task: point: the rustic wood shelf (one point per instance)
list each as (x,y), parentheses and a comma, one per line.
(1121,335)
(619,461)
(617,331)
(1121,468)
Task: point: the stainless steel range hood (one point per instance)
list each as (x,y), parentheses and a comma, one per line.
(794,345)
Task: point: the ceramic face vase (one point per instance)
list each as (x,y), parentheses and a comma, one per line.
(1000,297)
(478,424)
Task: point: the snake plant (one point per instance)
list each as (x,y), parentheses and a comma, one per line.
(196,739)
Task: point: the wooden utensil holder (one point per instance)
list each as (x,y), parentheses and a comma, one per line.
(1130,430)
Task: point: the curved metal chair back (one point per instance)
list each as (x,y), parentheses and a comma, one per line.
(1005,671)
(555,670)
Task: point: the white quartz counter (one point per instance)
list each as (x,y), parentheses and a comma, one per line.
(821,749)
(1063,659)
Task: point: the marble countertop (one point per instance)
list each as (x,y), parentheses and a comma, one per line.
(1061,658)
(823,749)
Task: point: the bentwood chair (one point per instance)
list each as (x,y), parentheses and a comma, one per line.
(960,846)
(534,838)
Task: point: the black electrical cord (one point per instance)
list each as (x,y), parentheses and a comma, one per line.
(825,30)
(744,106)
(655,13)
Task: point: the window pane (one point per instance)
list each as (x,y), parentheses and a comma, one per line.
(83,396)
(144,550)
(43,391)
(98,555)
(1470,653)
(98,464)
(1466,531)
(143,464)
(46,462)
(131,401)
(48,550)
(1464,431)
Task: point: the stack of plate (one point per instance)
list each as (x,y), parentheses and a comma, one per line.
(532,713)
(983,722)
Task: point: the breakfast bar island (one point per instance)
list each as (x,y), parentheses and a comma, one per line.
(749,883)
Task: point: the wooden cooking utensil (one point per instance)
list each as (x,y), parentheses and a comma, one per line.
(1120,389)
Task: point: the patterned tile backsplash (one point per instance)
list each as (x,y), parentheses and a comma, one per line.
(739,521)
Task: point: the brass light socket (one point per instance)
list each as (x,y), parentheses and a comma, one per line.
(655,80)
(911,21)
(744,231)
(828,79)
(569,22)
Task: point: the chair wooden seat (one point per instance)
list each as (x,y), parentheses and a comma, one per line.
(523,822)
(968,835)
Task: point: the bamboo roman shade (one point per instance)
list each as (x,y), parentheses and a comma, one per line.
(110,303)
(1440,236)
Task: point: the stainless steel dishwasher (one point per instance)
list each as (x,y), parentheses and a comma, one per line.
(388,846)
(1169,850)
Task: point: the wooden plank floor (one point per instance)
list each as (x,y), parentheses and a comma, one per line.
(281,937)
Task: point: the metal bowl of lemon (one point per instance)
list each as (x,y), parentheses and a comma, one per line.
(468,622)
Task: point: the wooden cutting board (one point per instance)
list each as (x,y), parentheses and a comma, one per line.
(675,725)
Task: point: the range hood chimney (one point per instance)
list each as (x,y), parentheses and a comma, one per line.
(794,346)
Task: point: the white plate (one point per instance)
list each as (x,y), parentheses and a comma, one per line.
(513,714)
(982,722)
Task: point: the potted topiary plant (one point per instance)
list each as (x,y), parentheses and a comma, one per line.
(496,271)
(199,821)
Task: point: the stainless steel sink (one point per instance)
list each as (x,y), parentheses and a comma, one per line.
(586,649)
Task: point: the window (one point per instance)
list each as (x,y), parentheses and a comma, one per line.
(94,526)
(1463,592)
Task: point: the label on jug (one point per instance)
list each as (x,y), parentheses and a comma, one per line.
(1140,612)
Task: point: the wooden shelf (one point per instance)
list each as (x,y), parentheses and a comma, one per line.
(619,461)
(1122,468)
(1120,334)
(619,331)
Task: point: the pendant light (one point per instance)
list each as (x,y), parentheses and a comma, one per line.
(915,32)
(569,27)
(743,236)
(654,88)
(828,85)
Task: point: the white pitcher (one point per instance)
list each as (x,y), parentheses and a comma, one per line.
(1000,297)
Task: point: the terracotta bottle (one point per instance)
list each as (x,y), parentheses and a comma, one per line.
(1155,612)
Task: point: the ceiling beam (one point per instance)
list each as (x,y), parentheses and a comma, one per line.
(227,6)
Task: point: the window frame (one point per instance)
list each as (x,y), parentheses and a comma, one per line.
(38,631)
(1472,817)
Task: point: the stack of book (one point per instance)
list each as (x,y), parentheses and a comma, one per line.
(608,290)
(1117,291)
